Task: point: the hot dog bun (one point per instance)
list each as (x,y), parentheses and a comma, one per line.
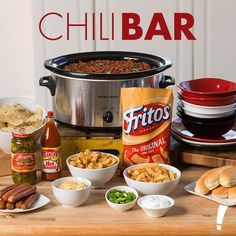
(232,192)
(222,182)
(224,192)
(212,177)
(209,180)
(228,177)
(220,192)
(201,187)
(222,168)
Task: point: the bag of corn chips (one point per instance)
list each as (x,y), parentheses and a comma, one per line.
(146,116)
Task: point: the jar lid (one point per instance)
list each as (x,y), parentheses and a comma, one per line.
(21,133)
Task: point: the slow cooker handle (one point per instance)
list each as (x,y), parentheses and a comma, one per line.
(48,82)
(166,81)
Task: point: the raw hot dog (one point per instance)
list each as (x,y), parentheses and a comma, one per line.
(14,190)
(10,206)
(21,193)
(29,201)
(2,204)
(18,203)
(8,188)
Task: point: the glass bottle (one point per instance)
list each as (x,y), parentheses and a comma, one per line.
(51,145)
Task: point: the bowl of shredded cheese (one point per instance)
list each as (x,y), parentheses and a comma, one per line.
(71,191)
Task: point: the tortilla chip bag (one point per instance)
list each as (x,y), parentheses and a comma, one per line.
(146,115)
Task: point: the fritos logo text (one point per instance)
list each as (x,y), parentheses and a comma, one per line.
(144,119)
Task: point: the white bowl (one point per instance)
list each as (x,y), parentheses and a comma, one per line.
(98,177)
(156,212)
(71,198)
(144,188)
(5,138)
(208,116)
(122,207)
(207,109)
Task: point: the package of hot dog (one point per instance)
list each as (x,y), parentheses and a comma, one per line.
(146,114)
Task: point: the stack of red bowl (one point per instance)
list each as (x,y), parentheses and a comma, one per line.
(207,106)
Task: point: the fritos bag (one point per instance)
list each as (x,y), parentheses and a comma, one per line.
(146,114)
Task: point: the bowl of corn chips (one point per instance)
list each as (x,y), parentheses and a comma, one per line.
(152,178)
(18,113)
(98,167)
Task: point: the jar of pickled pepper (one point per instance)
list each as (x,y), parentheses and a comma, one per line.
(23,148)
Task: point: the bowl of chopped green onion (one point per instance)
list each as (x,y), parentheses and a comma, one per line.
(121,198)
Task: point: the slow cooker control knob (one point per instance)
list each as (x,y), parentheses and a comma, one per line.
(108,116)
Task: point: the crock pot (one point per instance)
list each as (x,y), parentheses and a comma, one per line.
(93,100)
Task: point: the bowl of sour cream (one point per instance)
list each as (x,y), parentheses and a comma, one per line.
(155,205)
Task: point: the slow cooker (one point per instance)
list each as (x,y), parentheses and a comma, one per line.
(93,100)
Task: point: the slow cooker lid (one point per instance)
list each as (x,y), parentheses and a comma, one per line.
(157,63)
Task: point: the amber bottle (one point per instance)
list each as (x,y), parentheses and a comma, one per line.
(51,145)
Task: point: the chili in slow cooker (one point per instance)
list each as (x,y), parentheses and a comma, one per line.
(108,66)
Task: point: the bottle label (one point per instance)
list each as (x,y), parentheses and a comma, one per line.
(51,159)
(23,162)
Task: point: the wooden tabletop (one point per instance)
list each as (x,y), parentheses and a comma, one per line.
(191,215)
(212,157)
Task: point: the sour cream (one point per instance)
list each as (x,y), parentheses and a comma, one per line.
(155,202)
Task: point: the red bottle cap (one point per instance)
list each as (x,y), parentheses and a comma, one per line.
(50,114)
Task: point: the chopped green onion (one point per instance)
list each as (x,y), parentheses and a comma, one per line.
(120,197)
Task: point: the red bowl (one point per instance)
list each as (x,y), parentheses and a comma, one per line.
(207,87)
(214,101)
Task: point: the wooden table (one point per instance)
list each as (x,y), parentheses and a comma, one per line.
(212,157)
(191,215)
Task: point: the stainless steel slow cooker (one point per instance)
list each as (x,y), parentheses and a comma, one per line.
(93,100)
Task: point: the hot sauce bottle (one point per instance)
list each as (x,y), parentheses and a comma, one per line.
(51,145)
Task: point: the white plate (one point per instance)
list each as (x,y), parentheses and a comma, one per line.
(228,202)
(42,201)
(201,144)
